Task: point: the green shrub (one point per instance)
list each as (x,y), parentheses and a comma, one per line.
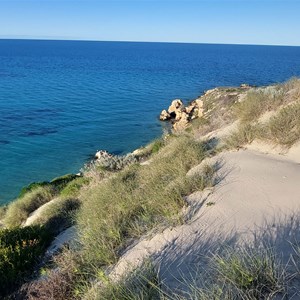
(55,184)
(157,145)
(20,250)
(72,188)
(32,186)
(3,210)
(60,182)
(19,210)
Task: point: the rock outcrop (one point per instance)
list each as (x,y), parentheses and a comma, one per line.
(181,115)
(164,115)
(108,161)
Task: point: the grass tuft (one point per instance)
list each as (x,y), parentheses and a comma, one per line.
(19,210)
(137,199)
(72,189)
(284,127)
(141,284)
(245,134)
(255,273)
(259,101)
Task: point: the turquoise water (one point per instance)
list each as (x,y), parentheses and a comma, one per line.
(60,101)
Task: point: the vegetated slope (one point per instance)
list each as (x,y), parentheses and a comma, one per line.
(150,214)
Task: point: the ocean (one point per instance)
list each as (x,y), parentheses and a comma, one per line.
(60,101)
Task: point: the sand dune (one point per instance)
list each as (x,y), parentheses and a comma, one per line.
(255,191)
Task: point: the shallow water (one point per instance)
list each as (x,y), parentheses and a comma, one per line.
(60,101)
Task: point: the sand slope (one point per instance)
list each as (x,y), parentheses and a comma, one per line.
(255,189)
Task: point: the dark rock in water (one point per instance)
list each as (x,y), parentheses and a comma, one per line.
(40,133)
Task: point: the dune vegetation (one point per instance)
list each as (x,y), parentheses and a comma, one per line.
(119,200)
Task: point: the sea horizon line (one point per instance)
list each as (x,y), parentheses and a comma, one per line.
(138,42)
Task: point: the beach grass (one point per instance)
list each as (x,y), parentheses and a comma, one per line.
(284,127)
(122,204)
(138,199)
(18,211)
(259,101)
(244,134)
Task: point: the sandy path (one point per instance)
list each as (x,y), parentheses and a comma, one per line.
(257,188)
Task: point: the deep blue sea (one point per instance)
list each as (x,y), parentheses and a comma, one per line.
(60,101)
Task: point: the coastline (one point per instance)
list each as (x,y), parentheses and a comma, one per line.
(218,180)
(112,103)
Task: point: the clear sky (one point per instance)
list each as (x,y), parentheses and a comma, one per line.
(275,22)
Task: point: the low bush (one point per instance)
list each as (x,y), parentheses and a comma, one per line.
(55,184)
(72,188)
(58,283)
(292,87)
(250,273)
(236,273)
(3,210)
(32,186)
(20,250)
(156,145)
(59,183)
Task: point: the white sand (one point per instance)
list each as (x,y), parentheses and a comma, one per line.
(256,188)
(34,216)
(65,238)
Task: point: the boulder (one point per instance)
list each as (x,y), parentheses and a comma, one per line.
(199,103)
(164,115)
(178,114)
(102,153)
(189,109)
(181,115)
(175,106)
(183,123)
(245,85)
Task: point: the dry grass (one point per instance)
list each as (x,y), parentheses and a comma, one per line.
(244,134)
(292,88)
(240,273)
(59,215)
(19,210)
(136,200)
(58,283)
(259,101)
(284,127)
(141,284)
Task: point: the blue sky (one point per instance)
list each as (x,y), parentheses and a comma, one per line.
(274,22)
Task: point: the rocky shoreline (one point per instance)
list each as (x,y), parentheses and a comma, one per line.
(181,115)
